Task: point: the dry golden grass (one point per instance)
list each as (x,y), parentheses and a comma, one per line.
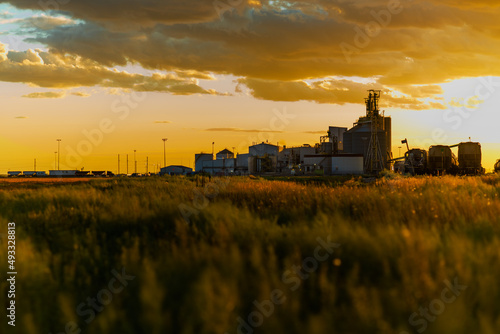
(401,238)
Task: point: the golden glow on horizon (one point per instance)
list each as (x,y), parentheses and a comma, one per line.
(185,121)
(197,74)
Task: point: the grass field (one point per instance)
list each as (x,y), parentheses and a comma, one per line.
(241,255)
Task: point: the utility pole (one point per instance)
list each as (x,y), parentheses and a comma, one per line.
(164,153)
(213,150)
(55,160)
(127,164)
(147,165)
(118,164)
(35,166)
(58,152)
(135,162)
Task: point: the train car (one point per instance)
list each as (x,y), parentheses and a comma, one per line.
(469,158)
(416,161)
(497,166)
(441,160)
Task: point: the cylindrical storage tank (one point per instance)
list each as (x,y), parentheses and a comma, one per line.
(440,158)
(469,157)
(252,165)
(388,141)
(347,139)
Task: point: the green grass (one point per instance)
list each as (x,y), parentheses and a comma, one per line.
(400,239)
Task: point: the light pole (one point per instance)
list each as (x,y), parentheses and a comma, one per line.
(55,160)
(213,148)
(135,163)
(399,151)
(164,153)
(58,152)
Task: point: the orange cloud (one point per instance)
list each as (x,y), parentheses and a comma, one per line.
(340,92)
(45,69)
(408,47)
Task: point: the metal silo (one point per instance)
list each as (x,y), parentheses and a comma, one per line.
(441,159)
(357,139)
(469,158)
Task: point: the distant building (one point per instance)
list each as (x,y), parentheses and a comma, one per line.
(259,150)
(336,137)
(199,159)
(219,166)
(34,173)
(62,172)
(334,164)
(95,173)
(293,156)
(357,139)
(224,154)
(263,158)
(175,170)
(364,148)
(241,167)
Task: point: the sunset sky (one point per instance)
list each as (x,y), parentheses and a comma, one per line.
(127,73)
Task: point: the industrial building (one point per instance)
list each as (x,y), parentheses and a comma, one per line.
(365,148)
(200,159)
(34,173)
(175,170)
(334,164)
(224,154)
(71,172)
(225,163)
(371,136)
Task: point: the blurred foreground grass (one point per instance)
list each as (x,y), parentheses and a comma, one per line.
(400,240)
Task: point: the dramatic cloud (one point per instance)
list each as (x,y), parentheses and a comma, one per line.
(132,12)
(45,69)
(274,47)
(338,92)
(45,22)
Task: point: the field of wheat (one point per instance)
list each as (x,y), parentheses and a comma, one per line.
(250,255)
